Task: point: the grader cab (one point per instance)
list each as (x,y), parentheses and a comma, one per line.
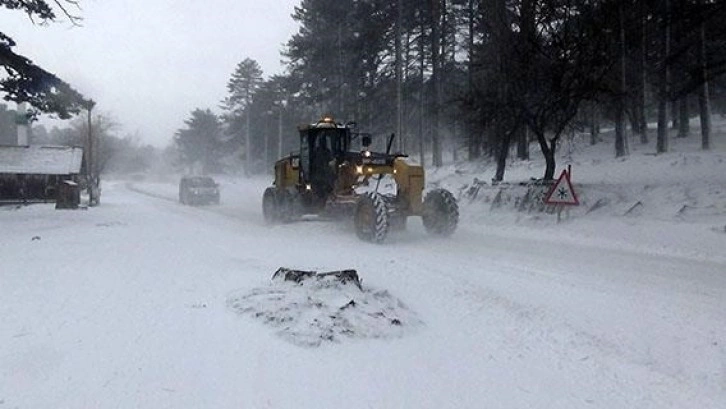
(332,178)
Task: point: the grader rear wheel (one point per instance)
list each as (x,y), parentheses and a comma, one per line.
(371,218)
(286,209)
(270,208)
(441,212)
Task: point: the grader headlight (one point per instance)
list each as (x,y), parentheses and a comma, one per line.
(359,170)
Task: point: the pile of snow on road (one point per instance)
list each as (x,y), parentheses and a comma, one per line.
(321,310)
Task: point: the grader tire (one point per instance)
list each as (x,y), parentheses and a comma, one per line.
(371,218)
(270,207)
(441,213)
(285,206)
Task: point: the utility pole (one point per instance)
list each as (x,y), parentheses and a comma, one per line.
(248,148)
(91,171)
(279,130)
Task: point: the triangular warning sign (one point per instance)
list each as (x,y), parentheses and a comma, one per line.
(562,192)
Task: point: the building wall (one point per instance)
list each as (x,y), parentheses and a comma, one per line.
(17,188)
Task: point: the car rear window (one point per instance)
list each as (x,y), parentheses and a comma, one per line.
(201,182)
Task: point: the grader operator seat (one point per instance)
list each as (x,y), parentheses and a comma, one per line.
(322,171)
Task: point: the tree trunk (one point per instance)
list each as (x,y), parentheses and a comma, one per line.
(548,151)
(436,82)
(704,101)
(642,100)
(502,152)
(502,135)
(621,140)
(662,142)
(399,77)
(633,117)
(451,41)
(594,124)
(523,143)
(454,141)
(474,139)
(422,98)
(341,70)
(683,117)
(674,114)
(408,109)
(528,29)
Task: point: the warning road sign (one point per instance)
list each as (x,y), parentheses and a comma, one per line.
(562,192)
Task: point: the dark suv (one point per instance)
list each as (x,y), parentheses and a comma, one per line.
(195,190)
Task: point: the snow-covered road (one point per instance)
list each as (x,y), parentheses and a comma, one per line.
(124,305)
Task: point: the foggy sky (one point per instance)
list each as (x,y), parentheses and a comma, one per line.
(149,63)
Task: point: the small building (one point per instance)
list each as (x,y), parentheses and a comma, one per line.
(33,173)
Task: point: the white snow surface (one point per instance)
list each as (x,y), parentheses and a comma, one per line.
(145,303)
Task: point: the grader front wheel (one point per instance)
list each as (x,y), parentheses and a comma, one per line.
(440,213)
(371,218)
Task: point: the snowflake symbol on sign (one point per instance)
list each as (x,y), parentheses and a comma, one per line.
(562,193)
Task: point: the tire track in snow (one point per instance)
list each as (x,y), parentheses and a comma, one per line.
(520,328)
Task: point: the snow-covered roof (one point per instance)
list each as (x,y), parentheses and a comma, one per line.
(41,160)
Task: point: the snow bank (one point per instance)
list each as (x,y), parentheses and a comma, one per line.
(318,310)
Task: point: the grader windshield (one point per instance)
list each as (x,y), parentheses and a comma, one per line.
(319,146)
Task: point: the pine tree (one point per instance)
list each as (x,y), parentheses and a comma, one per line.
(241,87)
(199,142)
(27,82)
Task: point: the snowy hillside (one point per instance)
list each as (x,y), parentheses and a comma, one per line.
(142,302)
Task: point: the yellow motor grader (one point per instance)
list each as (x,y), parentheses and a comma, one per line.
(331,178)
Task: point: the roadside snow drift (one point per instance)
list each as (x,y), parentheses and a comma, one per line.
(324,308)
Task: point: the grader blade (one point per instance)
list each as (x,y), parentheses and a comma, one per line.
(298,276)
(288,274)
